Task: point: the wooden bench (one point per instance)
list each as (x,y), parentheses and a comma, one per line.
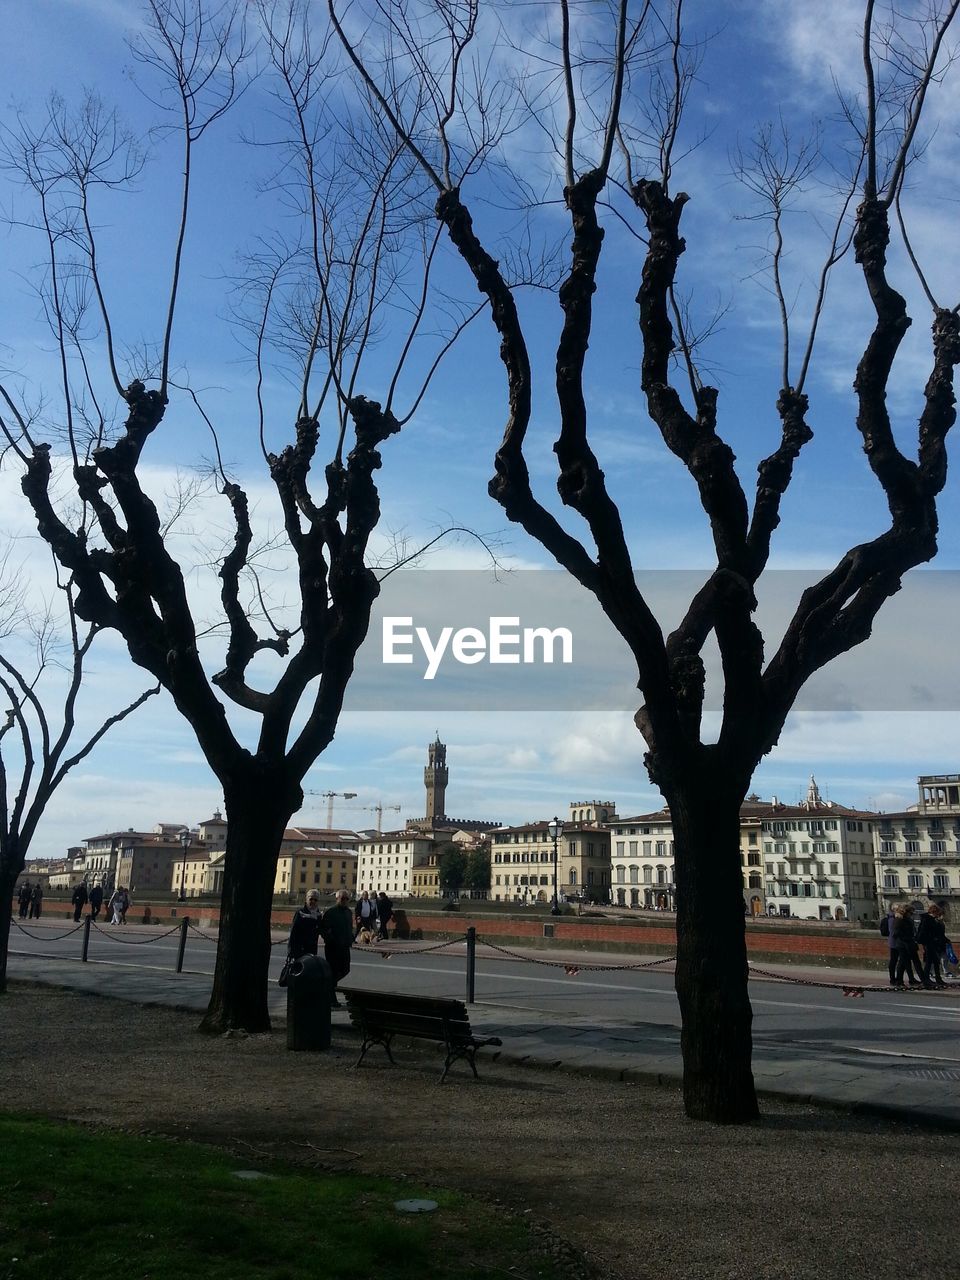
(379,1016)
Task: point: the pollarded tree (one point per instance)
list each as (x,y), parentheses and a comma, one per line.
(346,249)
(605,87)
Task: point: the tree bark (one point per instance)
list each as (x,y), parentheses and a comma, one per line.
(258,809)
(8,878)
(11,864)
(711,977)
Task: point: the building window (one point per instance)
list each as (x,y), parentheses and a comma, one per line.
(941,882)
(912,846)
(938,846)
(891,880)
(914,879)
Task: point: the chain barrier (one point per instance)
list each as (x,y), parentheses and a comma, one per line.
(417,951)
(207,937)
(135,942)
(45,937)
(854,989)
(572,969)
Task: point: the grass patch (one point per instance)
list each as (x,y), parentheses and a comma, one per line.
(84,1203)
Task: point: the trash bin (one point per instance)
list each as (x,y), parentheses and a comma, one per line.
(309,994)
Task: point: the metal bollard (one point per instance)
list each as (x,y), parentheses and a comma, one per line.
(471,963)
(184,925)
(86,938)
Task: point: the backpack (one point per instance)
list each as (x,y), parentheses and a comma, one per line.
(885,926)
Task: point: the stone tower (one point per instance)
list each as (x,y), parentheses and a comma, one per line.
(435,779)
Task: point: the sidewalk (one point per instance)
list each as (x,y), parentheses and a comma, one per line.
(911,1088)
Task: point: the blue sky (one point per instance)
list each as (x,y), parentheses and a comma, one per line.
(504,766)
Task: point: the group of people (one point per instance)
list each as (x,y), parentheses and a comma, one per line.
(117,907)
(906,936)
(373,912)
(339,928)
(30,900)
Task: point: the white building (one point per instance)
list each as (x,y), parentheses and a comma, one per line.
(641,861)
(522,858)
(385,862)
(917,852)
(818,858)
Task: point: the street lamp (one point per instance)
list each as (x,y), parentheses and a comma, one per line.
(553,831)
(185,838)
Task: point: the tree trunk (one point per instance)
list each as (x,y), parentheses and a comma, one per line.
(8,878)
(11,864)
(711,977)
(257,813)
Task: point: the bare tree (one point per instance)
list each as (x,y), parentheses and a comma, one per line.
(45,747)
(410,57)
(347,251)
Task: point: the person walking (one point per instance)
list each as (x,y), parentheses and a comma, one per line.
(365,915)
(305,930)
(124,904)
(384,913)
(886,929)
(79,900)
(905,942)
(336,929)
(96,901)
(36,902)
(932,936)
(115,905)
(23,899)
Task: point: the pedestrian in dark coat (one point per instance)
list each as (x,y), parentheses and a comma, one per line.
(36,902)
(79,900)
(96,901)
(905,942)
(23,899)
(336,929)
(932,936)
(305,930)
(893,954)
(384,913)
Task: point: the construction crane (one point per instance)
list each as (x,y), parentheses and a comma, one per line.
(378,810)
(330,796)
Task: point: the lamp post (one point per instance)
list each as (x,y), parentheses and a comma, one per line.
(553,831)
(185,838)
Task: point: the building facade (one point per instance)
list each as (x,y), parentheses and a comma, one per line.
(386,862)
(818,858)
(641,861)
(522,863)
(917,852)
(308,867)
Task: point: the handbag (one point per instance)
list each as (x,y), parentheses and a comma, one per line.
(284,979)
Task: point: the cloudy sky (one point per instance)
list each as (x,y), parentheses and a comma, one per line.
(890,714)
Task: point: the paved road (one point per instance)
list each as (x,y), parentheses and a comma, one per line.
(896,1032)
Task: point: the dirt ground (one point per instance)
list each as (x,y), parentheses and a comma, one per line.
(614,1170)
